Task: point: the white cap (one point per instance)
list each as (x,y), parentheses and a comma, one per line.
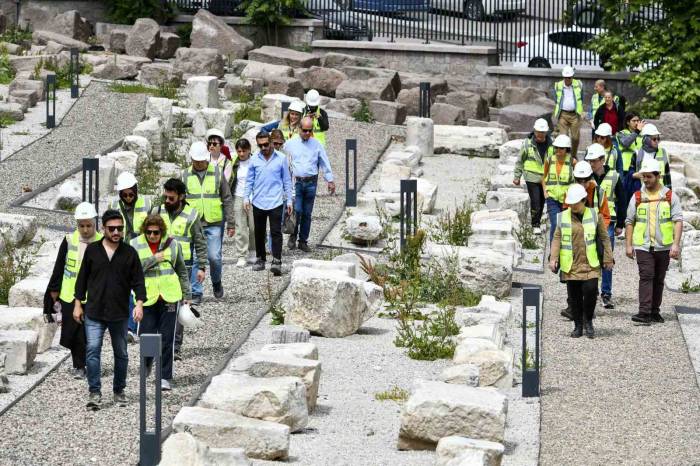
(567,72)
(576,193)
(604,129)
(215,132)
(541,125)
(313,98)
(85,211)
(199,152)
(583,170)
(649,130)
(562,141)
(297,106)
(595,151)
(650,166)
(125,180)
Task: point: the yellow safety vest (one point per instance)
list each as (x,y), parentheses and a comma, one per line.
(660,155)
(566,253)
(181,228)
(72,267)
(559,94)
(533,161)
(611,156)
(597,101)
(141,209)
(205,196)
(318,134)
(557,185)
(627,154)
(664,224)
(161,280)
(607,184)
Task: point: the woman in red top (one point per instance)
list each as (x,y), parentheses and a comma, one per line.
(610,113)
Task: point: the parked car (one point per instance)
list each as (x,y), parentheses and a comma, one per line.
(391,7)
(589,14)
(338,22)
(480,9)
(560,47)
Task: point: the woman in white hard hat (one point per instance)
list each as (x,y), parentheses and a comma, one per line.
(575,250)
(604,137)
(290,122)
(629,142)
(58,304)
(650,150)
(220,153)
(320,117)
(558,176)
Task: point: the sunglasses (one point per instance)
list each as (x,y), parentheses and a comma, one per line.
(129,194)
(263,146)
(213,143)
(277,143)
(170,198)
(306,130)
(119,228)
(152,232)
(655,139)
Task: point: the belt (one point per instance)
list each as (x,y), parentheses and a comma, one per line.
(306,178)
(568,111)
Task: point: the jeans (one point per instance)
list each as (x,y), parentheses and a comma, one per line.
(536,193)
(652,273)
(260,217)
(304,206)
(606,285)
(553,208)
(582,295)
(160,318)
(215,236)
(94,332)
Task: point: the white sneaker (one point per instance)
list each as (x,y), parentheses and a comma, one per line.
(165,385)
(537,230)
(131,337)
(252,257)
(241,262)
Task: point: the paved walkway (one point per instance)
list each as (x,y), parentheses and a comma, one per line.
(628,397)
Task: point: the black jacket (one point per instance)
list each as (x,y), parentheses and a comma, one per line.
(620,109)
(620,207)
(108,284)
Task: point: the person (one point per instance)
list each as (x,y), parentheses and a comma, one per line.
(611,112)
(575,252)
(215,143)
(650,150)
(61,287)
(110,270)
(568,108)
(267,182)
(277,139)
(609,181)
(244,238)
(629,142)
(307,156)
(167,283)
(318,115)
(558,176)
(209,193)
(530,165)
(290,122)
(654,227)
(183,224)
(603,138)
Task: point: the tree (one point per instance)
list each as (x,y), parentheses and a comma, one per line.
(660,39)
(128,11)
(269,15)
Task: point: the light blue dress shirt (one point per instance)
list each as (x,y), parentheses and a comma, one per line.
(307,157)
(267,181)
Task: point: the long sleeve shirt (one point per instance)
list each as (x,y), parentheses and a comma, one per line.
(619,190)
(226,200)
(580,268)
(108,283)
(267,181)
(307,157)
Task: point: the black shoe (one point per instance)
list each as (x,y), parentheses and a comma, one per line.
(642,318)
(259,265)
(292,242)
(197,299)
(276,267)
(656,318)
(567,313)
(177,356)
(218,290)
(94,401)
(588,328)
(120,399)
(607,301)
(578,331)
(304,247)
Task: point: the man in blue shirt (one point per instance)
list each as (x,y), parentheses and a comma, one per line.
(307,155)
(268,178)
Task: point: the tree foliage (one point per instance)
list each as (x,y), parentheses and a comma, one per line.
(128,11)
(271,14)
(665,49)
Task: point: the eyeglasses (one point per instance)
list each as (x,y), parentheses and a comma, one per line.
(277,143)
(119,228)
(306,130)
(655,139)
(152,232)
(264,145)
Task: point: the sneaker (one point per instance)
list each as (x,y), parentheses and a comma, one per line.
(640,318)
(94,401)
(218,290)
(607,301)
(131,337)
(197,299)
(276,267)
(537,230)
(656,318)
(78,373)
(165,385)
(241,262)
(120,399)
(259,266)
(292,242)
(567,313)
(177,356)
(252,257)
(304,247)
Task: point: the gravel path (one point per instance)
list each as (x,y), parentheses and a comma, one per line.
(628,397)
(63,432)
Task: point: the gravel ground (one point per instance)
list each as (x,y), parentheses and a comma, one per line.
(57,405)
(628,397)
(689,320)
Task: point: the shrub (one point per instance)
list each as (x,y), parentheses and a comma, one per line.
(7,72)
(184,31)
(431,338)
(395,393)
(453,228)
(148,174)
(15,261)
(269,15)
(527,237)
(363,113)
(128,11)
(16,35)
(251,110)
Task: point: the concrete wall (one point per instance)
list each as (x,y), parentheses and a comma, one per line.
(39,12)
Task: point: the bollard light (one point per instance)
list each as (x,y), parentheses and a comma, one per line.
(351,193)
(91,181)
(531,376)
(285,107)
(74,73)
(51,97)
(409,210)
(424,100)
(149,448)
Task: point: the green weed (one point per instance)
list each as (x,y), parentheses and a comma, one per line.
(15,261)
(690,286)
(395,393)
(453,228)
(527,237)
(363,113)
(148,174)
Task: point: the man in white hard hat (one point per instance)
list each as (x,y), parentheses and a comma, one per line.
(654,226)
(568,108)
(535,150)
(290,122)
(209,193)
(609,181)
(317,114)
(603,137)
(558,176)
(650,150)
(61,286)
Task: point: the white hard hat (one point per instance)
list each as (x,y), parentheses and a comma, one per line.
(541,125)
(125,180)
(313,98)
(567,72)
(576,193)
(604,129)
(650,166)
(583,170)
(85,211)
(563,141)
(186,317)
(297,106)
(649,130)
(199,152)
(215,132)
(595,151)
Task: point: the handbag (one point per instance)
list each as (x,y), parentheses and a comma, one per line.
(289,223)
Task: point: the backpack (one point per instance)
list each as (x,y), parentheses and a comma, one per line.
(638,197)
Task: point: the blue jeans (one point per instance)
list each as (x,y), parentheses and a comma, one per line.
(94,332)
(214,235)
(606,285)
(304,206)
(553,208)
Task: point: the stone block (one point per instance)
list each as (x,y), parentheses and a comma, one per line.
(24,317)
(13,110)
(143,39)
(198,62)
(211,31)
(390,113)
(427,195)
(520,117)
(169,43)
(468,140)
(496,215)
(446,114)
(138,145)
(515,200)
(463,374)
(284,56)
(182,449)
(26,98)
(20,348)
(453,447)
(420,133)
(340,60)
(438,85)
(490,332)
(152,130)
(344,106)
(272,105)
(112,71)
(158,107)
(117,41)
(158,74)
(363,229)
(71,24)
(472,104)
(42,37)
(289,334)
(368,90)
(22,228)
(391,175)
(202,92)
(208,118)
(364,73)
(287,86)
(317,264)
(265,71)
(298,350)
(324,80)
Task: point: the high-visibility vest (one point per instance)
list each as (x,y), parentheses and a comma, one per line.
(611,156)
(72,267)
(181,228)
(318,134)
(161,280)
(559,94)
(660,155)
(627,153)
(205,196)
(664,224)
(288,132)
(566,252)
(533,161)
(607,184)
(597,101)
(557,185)
(141,209)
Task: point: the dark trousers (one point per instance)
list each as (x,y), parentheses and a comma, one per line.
(582,296)
(179,329)
(652,272)
(72,336)
(305,195)
(536,193)
(260,218)
(160,318)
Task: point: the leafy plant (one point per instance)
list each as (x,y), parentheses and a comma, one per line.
(430,339)
(527,238)
(6,121)
(148,174)
(164,89)
(128,11)
(62,72)
(363,113)
(277,313)
(7,72)
(270,15)
(395,393)
(689,286)
(251,111)
(481,195)
(184,31)
(15,261)
(453,228)
(16,35)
